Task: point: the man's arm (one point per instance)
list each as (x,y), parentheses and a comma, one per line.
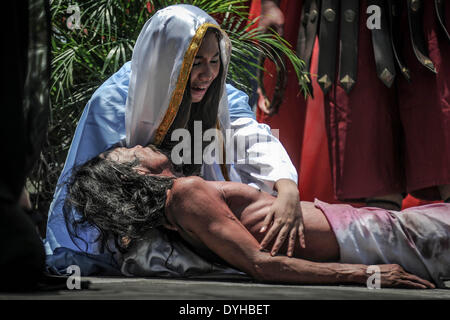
(201,212)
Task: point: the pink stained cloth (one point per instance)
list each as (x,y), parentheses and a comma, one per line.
(416,238)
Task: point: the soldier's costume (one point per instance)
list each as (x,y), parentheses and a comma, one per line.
(385,76)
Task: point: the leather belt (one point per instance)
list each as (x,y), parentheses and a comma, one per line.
(328,38)
(348,52)
(415,18)
(382,47)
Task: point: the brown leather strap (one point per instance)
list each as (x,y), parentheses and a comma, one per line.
(382,47)
(348,55)
(328,39)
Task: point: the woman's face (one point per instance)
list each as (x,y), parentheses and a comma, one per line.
(206,66)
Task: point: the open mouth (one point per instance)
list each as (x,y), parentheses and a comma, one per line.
(200,89)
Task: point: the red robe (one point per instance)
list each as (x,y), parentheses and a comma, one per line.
(301,121)
(302,125)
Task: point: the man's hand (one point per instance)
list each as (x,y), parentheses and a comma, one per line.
(394,276)
(284,219)
(271,17)
(264,103)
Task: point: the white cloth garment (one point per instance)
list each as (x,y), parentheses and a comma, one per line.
(417,238)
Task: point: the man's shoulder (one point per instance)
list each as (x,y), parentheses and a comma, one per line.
(186,184)
(196,188)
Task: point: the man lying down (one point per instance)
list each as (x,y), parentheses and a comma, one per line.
(127,192)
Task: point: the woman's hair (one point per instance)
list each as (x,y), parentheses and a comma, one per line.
(115,199)
(205,111)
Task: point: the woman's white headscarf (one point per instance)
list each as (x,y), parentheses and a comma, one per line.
(160,68)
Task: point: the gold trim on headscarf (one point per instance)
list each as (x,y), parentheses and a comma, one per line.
(183,77)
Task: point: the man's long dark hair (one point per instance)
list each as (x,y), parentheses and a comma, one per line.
(115,199)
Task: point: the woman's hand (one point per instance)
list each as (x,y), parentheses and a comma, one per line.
(284,219)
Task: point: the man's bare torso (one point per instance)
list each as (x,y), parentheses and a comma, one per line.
(250,206)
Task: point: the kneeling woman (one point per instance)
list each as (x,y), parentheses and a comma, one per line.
(176,78)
